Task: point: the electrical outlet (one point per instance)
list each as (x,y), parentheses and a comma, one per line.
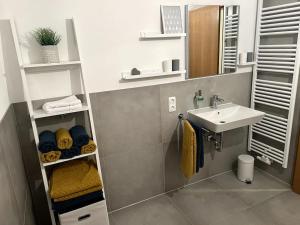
(172,104)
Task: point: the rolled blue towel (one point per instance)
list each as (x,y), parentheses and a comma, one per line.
(79,136)
(47,141)
(70,153)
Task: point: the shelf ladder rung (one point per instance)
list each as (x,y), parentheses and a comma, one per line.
(40,113)
(66,160)
(59,65)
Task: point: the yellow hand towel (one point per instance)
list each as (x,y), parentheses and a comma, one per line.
(50,156)
(74,178)
(63,139)
(189,150)
(89,148)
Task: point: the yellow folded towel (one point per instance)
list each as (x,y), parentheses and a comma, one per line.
(73,179)
(89,148)
(50,156)
(63,139)
(189,150)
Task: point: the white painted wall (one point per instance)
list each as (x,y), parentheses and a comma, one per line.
(109,39)
(4,99)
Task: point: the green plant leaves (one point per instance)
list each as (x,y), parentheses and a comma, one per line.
(46,36)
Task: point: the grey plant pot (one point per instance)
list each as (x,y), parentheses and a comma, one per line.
(50,54)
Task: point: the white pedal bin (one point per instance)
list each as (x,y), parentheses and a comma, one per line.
(245,168)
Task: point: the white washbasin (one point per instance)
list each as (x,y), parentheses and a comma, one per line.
(226,117)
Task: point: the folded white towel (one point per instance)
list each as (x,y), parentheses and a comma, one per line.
(64,108)
(63,104)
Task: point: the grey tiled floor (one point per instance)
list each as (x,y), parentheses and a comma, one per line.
(221,200)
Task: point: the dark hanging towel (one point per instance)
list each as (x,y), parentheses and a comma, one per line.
(200,147)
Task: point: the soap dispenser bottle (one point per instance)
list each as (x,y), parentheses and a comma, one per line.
(198,99)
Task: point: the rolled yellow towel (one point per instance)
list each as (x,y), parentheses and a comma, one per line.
(63,139)
(89,148)
(50,156)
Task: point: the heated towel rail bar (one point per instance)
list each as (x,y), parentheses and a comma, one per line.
(231,31)
(275,79)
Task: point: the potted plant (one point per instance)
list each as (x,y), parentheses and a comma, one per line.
(49,40)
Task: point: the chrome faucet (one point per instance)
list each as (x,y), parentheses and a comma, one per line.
(215,99)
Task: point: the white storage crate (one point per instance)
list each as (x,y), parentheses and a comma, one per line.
(94,214)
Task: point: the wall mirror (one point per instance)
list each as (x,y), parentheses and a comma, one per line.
(212,39)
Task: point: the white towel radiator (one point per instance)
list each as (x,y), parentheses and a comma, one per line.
(230,37)
(275,79)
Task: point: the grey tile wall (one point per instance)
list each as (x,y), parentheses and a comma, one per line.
(233,88)
(30,157)
(139,142)
(128,127)
(15,195)
(137,136)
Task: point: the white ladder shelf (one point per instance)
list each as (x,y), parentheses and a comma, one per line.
(39,114)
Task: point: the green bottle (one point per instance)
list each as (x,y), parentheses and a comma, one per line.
(198,99)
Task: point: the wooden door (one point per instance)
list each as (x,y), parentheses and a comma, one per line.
(204,30)
(296,180)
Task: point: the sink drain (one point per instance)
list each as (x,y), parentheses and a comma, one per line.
(222,121)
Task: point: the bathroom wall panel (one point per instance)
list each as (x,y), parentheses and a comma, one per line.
(133,176)
(31,163)
(127,119)
(13,157)
(9,213)
(233,88)
(139,118)
(137,137)
(17,194)
(128,127)
(119,49)
(30,157)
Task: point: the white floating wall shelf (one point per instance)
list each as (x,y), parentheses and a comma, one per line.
(66,160)
(54,66)
(153,74)
(153,35)
(40,113)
